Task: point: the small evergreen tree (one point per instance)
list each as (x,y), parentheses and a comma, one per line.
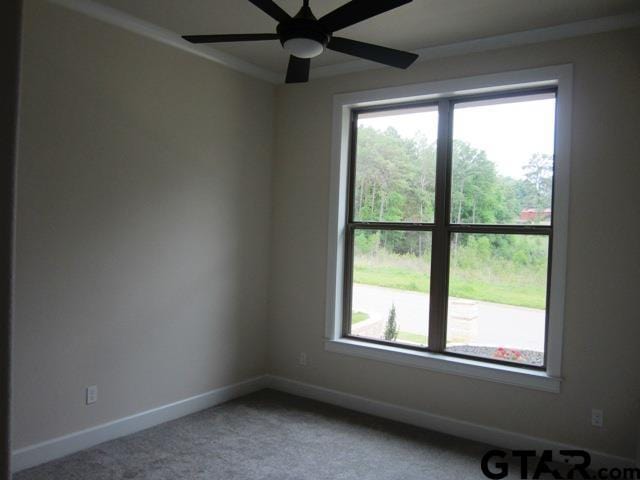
(391,328)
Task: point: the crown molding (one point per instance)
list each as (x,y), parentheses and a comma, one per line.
(528,37)
(147,29)
(134,24)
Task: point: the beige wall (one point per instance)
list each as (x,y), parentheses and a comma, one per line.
(143,221)
(602,327)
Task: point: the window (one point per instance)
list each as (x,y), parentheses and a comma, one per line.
(452,213)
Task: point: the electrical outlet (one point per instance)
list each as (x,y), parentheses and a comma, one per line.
(597,417)
(92,394)
(302,359)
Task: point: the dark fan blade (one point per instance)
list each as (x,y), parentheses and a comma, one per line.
(298,71)
(233,37)
(272,9)
(356,11)
(376,53)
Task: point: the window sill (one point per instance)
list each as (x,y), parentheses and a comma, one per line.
(520,377)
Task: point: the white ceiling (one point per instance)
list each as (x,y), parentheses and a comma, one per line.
(422,23)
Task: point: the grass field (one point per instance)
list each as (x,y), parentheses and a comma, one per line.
(412,337)
(358,317)
(507,288)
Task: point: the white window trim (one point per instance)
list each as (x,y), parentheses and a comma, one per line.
(560,76)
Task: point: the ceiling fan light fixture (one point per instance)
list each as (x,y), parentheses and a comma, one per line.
(304,36)
(303,47)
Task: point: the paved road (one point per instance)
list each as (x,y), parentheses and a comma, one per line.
(498,325)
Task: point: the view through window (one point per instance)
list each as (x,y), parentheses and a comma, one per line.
(449,228)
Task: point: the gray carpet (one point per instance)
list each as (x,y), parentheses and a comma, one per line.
(271,435)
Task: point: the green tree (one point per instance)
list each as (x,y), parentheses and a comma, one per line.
(478,193)
(395,177)
(391,328)
(538,174)
(395,182)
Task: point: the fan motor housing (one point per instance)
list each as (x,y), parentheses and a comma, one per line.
(303,28)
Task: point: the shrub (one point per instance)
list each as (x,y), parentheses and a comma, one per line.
(391,329)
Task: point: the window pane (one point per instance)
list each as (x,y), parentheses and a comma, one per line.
(396,165)
(497,296)
(390,298)
(503,160)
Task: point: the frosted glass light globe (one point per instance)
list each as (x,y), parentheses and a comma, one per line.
(303,47)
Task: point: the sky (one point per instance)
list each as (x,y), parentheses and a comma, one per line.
(510,132)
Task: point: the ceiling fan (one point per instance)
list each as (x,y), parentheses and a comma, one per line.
(304,36)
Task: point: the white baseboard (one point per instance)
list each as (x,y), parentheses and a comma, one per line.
(472,431)
(59,447)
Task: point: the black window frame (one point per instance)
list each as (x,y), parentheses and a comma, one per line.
(441,228)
